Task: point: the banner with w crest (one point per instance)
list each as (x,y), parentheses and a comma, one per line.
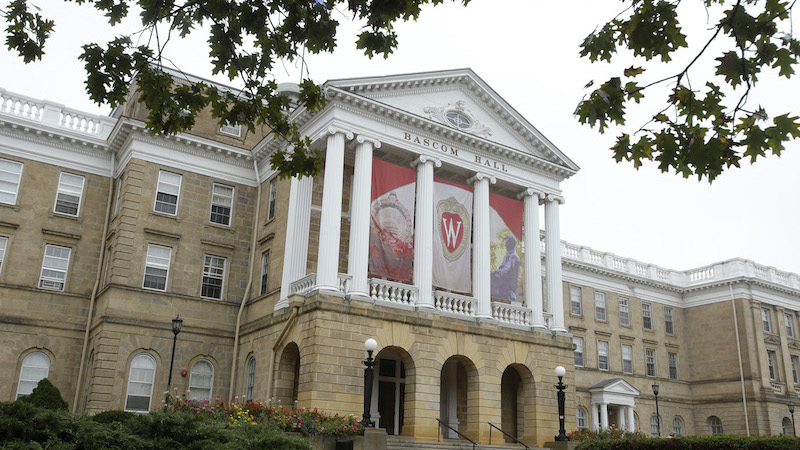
(452,236)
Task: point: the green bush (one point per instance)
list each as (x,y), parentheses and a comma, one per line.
(47,396)
(112,416)
(726,442)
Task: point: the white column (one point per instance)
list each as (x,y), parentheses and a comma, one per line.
(361,195)
(553,261)
(595,417)
(604,415)
(331,222)
(295,254)
(481,244)
(533,257)
(631,420)
(621,417)
(423,231)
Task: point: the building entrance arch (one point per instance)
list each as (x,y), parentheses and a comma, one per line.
(387,410)
(458,396)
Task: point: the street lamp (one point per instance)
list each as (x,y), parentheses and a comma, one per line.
(658,418)
(177,323)
(791,411)
(370,345)
(562,433)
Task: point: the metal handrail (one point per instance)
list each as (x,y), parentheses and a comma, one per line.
(439,433)
(491,425)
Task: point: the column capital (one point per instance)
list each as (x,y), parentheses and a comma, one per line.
(361,138)
(531,192)
(335,130)
(479,176)
(424,159)
(554,197)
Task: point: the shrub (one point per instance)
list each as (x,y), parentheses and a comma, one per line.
(112,416)
(47,396)
(604,433)
(727,442)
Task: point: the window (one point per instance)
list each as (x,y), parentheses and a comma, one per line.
(795,363)
(786,425)
(600,306)
(647,318)
(650,362)
(580,418)
(140,383)
(602,355)
(232,130)
(771,364)
(10,174)
(3,245)
(251,379)
(264,272)
(627,359)
(34,368)
(70,191)
(221,204)
(789,328)
(167,192)
(624,312)
(201,380)
(714,426)
(677,427)
(273,198)
(54,268)
(765,320)
(578,341)
(669,323)
(576,308)
(672,359)
(654,425)
(213,276)
(156,267)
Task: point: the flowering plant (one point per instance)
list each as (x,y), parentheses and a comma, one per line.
(612,432)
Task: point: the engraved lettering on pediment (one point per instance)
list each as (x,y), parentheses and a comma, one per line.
(459,117)
(772,340)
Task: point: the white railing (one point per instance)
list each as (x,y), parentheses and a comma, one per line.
(20,106)
(701,274)
(392,292)
(450,303)
(304,284)
(54,115)
(344,282)
(511,314)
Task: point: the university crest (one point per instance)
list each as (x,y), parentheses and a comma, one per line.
(453,227)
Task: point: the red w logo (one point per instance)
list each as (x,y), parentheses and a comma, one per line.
(452,230)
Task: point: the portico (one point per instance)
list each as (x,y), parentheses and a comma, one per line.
(613,397)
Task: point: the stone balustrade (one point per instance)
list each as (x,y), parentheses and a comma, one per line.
(450,303)
(392,292)
(511,314)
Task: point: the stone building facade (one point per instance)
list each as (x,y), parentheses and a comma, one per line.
(107,233)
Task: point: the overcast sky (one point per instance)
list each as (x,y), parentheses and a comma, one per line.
(527,50)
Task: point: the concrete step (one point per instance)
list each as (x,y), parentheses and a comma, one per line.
(404,442)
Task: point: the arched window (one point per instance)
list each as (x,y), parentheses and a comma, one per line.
(251,378)
(714,426)
(636,421)
(787,427)
(201,380)
(677,426)
(580,418)
(34,368)
(654,425)
(140,383)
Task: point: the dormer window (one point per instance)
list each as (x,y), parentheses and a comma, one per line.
(231,130)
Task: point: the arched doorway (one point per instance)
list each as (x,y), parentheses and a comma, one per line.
(458,391)
(517,403)
(287,376)
(388,407)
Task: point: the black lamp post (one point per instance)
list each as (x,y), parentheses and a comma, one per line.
(370,345)
(658,418)
(177,323)
(791,411)
(562,433)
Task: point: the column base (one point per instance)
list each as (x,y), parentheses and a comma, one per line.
(359,297)
(326,290)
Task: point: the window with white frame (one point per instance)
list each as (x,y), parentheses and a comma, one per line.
(795,363)
(3,246)
(650,362)
(654,425)
(273,198)
(140,383)
(578,341)
(580,418)
(221,204)
(669,322)
(602,355)
(789,327)
(264,272)
(672,361)
(600,306)
(771,364)
(70,191)
(576,308)
(714,426)
(627,359)
(10,175)
(624,312)
(232,130)
(156,269)
(54,267)
(167,192)
(35,367)
(251,379)
(766,321)
(201,379)
(647,316)
(677,427)
(213,277)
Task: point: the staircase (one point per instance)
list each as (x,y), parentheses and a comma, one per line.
(404,442)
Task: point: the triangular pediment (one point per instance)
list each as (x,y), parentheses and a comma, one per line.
(615,386)
(461,101)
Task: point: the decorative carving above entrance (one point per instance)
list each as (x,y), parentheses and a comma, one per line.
(459,117)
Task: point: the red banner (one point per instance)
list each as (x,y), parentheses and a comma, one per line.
(391,236)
